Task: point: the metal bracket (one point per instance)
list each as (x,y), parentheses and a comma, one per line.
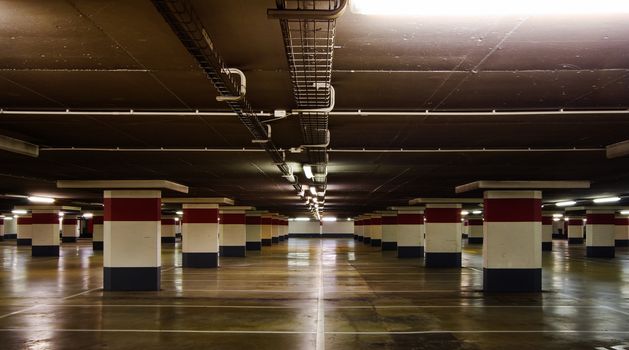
(243,85)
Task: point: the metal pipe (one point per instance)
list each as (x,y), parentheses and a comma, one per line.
(340,150)
(308,14)
(242,91)
(319,110)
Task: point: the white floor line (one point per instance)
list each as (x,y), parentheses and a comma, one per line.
(20,311)
(168,269)
(616,310)
(182,306)
(570,331)
(78,330)
(82,293)
(320,340)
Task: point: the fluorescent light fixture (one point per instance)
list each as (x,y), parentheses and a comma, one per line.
(19,211)
(556,219)
(88,215)
(302,219)
(308,171)
(329,218)
(176,219)
(313,191)
(61,214)
(565,204)
(487,7)
(179,212)
(349,219)
(606,200)
(37,199)
(476,212)
(8,218)
(557,215)
(585,220)
(465,212)
(624,212)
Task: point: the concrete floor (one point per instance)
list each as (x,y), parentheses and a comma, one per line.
(311,294)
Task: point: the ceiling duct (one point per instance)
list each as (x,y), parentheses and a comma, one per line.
(184,22)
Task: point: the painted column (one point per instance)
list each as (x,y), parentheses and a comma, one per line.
(376,230)
(24,230)
(389,231)
(621,229)
(410,234)
(512,258)
(367,229)
(466,228)
(45,232)
(266,228)
(575,230)
(254,231)
(443,235)
(557,226)
(547,231)
(285,228)
(200,235)
(169,230)
(70,228)
(234,233)
(89,227)
(10,228)
(97,235)
(275,229)
(475,230)
(359,228)
(131,240)
(220,232)
(1,229)
(600,239)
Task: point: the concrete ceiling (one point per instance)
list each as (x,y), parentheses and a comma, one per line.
(120,55)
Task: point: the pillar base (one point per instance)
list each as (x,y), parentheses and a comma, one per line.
(97,245)
(68,239)
(200,260)
(622,243)
(275,240)
(355,237)
(361,238)
(512,280)
(10,236)
(410,252)
(389,245)
(267,242)
(547,246)
(557,235)
(24,241)
(600,252)
(169,240)
(443,259)
(475,240)
(45,250)
(464,235)
(367,240)
(237,251)
(376,242)
(574,240)
(280,238)
(254,245)
(131,278)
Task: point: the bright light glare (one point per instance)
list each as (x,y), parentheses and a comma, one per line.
(465,212)
(556,219)
(624,212)
(313,190)
(476,212)
(557,215)
(179,212)
(302,219)
(88,215)
(8,218)
(469,8)
(329,218)
(565,204)
(36,199)
(607,200)
(308,171)
(19,211)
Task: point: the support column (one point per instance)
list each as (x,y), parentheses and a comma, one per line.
(376,230)
(367,229)
(285,228)
(512,258)
(389,231)
(267,229)
(575,230)
(200,235)
(234,233)
(410,234)
(24,230)
(547,231)
(621,229)
(466,228)
(132,246)
(443,235)
(558,230)
(1,229)
(475,230)
(359,227)
(169,229)
(10,228)
(600,239)
(97,235)
(70,228)
(254,231)
(275,229)
(45,232)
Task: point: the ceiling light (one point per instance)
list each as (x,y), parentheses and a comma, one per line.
(61,214)
(476,212)
(8,218)
(329,218)
(19,211)
(308,171)
(349,219)
(88,215)
(313,190)
(556,219)
(565,204)
(36,199)
(179,212)
(302,219)
(465,212)
(606,200)
(557,215)
(176,219)
(487,7)
(624,212)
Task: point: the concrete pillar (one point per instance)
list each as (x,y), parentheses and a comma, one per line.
(547,231)
(443,235)
(89,227)
(169,231)
(359,228)
(24,230)
(621,229)
(512,258)
(389,231)
(1,229)
(466,228)
(10,228)
(367,229)
(410,234)
(475,230)
(234,233)
(97,234)
(275,229)
(254,231)
(220,232)
(132,245)
(600,239)
(376,230)
(266,228)
(45,232)
(200,235)
(70,228)
(285,228)
(557,228)
(575,230)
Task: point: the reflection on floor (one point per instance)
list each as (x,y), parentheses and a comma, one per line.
(311,294)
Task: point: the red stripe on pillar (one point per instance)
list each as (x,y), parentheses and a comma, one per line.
(90,225)
(253,220)
(575,222)
(168,221)
(410,219)
(69,221)
(513,209)
(266,221)
(475,222)
(132,209)
(443,215)
(200,216)
(24,221)
(45,218)
(98,220)
(376,221)
(547,220)
(358,222)
(233,219)
(621,221)
(389,220)
(600,219)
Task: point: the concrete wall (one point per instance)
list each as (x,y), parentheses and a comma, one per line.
(313,228)
(342,227)
(303,227)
